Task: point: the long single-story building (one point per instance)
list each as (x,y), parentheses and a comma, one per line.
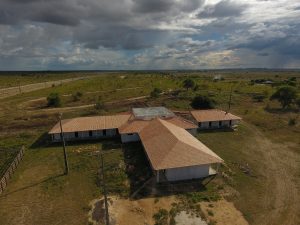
(215,119)
(172,150)
(82,128)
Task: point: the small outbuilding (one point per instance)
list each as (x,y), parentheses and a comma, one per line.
(215,119)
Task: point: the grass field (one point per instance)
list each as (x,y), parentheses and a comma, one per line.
(265,143)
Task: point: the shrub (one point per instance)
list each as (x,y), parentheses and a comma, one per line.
(53,100)
(259,97)
(202,102)
(196,87)
(188,83)
(76,96)
(292,122)
(155,93)
(161,217)
(210,213)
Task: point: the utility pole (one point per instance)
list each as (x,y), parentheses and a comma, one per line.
(64,145)
(229,103)
(104,192)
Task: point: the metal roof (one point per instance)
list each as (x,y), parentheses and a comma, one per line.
(213,115)
(152,112)
(90,123)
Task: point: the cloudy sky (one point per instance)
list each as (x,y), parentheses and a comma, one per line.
(149,34)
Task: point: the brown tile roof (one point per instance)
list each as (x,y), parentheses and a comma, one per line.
(91,123)
(213,115)
(169,146)
(135,126)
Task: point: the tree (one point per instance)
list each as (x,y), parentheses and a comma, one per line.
(202,102)
(155,93)
(188,83)
(54,100)
(286,95)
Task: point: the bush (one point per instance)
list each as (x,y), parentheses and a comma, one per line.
(292,122)
(76,96)
(202,102)
(155,93)
(259,97)
(188,83)
(161,217)
(53,100)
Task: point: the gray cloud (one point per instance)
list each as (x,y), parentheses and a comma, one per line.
(95,34)
(225,8)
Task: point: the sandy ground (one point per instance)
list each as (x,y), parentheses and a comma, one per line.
(183,218)
(224,213)
(139,212)
(281,202)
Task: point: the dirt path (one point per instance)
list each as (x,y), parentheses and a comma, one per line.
(281,199)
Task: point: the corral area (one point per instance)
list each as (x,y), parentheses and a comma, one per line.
(259,182)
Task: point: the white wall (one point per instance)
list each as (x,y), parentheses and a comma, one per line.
(97,133)
(130,138)
(215,124)
(204,125)
(55,137)
(187,173)
(85,135)
(111,132)
(192,131)
(235,122)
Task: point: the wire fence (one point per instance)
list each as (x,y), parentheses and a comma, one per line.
(10,170)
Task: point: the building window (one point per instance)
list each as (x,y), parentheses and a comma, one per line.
(90,133)
(209,124)
(230,122)
(76,134)
(199,124)
(220,123)
(104,132)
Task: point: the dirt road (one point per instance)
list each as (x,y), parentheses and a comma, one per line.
(281,199)
(8,92)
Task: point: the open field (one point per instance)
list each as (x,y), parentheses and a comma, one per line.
(11,91)
(265,143)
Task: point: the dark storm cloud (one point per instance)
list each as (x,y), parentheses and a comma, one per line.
(120,37)
(284,40)
(146,6)
(116,33)
(225,8)
(53,11)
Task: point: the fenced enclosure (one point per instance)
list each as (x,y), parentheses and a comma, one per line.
(9,169)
